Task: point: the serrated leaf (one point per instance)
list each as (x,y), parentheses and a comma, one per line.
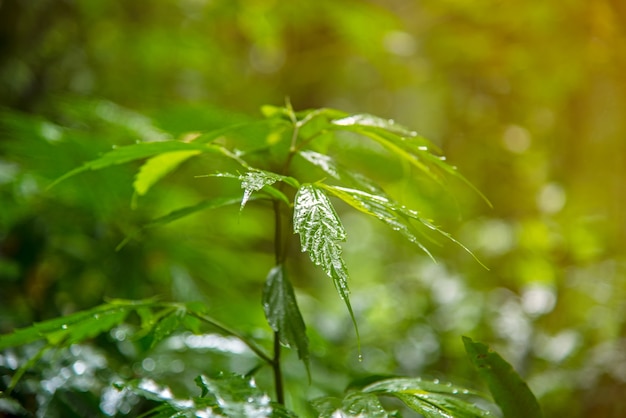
(398,217)
(405,144)
(327,164)
(139,151)
(509,391)
(157,167)
(321,230)
(354,405)
(432,399)
(282,313)
(383,208)
(255,180)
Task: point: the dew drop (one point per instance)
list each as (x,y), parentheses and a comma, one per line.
(360,358)
(465,391)
(64,326)
(455,391)
(436,381)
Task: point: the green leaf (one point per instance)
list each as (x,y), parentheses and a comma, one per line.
(396,216)
(327,164)
(370,121)
(239,397)
(405,144)
(282,312)
(321,230)
(509,391)
(354,405)
(72,328)
(432,399)
(189,210)
(166,325)
(133,152)
(157,167)
(255,180)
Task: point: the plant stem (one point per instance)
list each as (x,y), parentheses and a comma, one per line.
(278,375)
(279,255)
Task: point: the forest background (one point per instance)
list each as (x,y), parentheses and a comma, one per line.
(528,99)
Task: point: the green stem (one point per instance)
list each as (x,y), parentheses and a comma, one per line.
(258,351)
(278,374)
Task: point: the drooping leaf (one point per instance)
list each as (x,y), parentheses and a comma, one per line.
(282,312)
(133,152)
(321,230)
(508,389)
(383,208)
(398,217)
(354,405)
(432,399)
(157,167)
(405,144)
(166,325)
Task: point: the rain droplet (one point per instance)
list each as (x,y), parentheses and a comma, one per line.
(436,381)
(455,391)
(465,391)
(360,358)
(64,326)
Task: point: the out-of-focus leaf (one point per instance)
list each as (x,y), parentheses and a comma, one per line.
(157,167)
(189,210)
(354,405)
(282,312)
(168,324)
(321,230)
(237,396)
(509,391)
(430,398)
(133,152)
(71,328)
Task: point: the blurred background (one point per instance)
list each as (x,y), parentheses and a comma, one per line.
(528,99)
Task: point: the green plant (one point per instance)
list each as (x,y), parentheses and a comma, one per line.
(283,162)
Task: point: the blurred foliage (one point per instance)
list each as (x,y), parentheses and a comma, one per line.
(527,98)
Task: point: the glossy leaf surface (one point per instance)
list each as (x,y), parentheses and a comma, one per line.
(432,399)
(320,232)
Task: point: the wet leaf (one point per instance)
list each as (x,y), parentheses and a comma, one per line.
(509,391)
(282,312)
(255,180)
(432,399)
(354,405)
(327,164)
(320,232)
(71,328)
